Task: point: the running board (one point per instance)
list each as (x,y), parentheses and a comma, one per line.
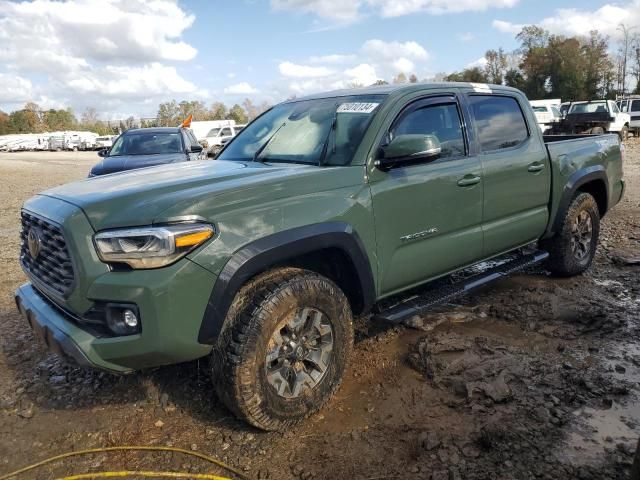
(418,304)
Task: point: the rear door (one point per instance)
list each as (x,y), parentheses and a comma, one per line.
(427,213)
(634,111)
(516,171)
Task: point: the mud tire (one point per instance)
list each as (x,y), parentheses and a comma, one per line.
(238,359)
(562,260)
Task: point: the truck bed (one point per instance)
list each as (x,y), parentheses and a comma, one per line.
(569,154)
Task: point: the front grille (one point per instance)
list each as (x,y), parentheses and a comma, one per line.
(51,268)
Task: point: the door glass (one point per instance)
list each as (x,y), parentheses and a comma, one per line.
(441,121)
(635,106)
(499,121)
(226,132)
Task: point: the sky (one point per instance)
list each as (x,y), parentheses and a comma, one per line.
(124,57)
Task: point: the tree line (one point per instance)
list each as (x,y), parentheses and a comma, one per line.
(556,66)
(545,65)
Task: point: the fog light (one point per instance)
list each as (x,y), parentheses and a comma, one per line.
(130,318)
(123,319)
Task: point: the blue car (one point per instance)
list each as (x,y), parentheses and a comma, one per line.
(148,147)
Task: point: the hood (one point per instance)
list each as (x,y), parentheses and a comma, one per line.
(139,197)
(119,163)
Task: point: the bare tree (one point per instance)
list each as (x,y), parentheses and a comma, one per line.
(625,46)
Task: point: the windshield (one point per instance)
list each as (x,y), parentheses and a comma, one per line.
(592,107)
(324,131)
(146,143)
(213,132)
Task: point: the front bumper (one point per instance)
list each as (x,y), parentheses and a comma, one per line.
(171,302)
(57,332)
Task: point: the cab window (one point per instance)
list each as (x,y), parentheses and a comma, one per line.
(226,132)
(499,122)
(440,120)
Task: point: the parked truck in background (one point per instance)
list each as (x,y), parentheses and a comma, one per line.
(547,113)
(631,104)
(323,208)
(595,117)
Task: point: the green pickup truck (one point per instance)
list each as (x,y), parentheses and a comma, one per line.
(324,207)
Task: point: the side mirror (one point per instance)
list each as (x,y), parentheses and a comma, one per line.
(103,153)
(196,148)
(409,148)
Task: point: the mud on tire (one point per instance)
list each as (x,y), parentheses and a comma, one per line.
(243,376)
(572,248)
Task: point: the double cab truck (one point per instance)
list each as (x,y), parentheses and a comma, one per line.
(323,208)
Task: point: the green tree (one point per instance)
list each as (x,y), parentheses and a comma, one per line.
(495,66)
(413,78)
(473,74)
(218,111)
(400,78)
(168,114)
(4,123)
(238,114)
(514,78)
(59,119)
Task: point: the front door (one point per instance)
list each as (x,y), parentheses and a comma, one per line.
(428,212)
(516,172)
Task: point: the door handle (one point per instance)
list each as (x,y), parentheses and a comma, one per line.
(468,180)
(535,167)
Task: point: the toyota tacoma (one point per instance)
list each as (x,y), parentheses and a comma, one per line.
(322,209)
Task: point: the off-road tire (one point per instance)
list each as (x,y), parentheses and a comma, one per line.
(238,358)
(624,134)
(562,260)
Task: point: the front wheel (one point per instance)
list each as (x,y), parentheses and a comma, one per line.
(287,338)
(572,248)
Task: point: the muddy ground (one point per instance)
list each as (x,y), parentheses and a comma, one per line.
(532,377)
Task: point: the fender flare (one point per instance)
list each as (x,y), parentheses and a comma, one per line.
(576,180)
(275,249)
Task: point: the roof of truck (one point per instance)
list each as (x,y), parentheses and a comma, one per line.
(404,88)
(153,130)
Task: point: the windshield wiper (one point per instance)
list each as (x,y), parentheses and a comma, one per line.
(326,140)
(256,156)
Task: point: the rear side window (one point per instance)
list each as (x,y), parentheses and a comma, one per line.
(635,106)
(442,121)
(499,121)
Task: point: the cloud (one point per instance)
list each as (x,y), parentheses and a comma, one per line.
(128,82)
(347,11)
(507,27)
(15,89)
(376,59)
(479,63)
(397,8)
(363,74)
(289,69)
(573,21)
(242,88)
(465,37)
(90,52)
(332,59)
(391,50)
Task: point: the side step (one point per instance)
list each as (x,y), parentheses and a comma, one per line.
(418,304)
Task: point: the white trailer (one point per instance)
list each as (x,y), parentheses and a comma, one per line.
(201,129)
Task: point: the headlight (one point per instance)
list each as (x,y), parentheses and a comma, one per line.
(151,247)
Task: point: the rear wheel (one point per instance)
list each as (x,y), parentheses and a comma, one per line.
(282,354)
(597,130)
(572,248)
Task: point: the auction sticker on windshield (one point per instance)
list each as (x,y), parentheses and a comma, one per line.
(357,107)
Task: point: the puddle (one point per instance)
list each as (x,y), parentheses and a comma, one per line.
(603,429)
